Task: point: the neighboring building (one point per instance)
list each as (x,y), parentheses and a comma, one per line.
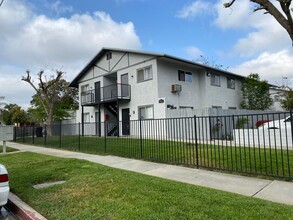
(277,94)
(2,104)
(119,85)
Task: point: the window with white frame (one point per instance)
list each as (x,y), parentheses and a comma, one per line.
(184,76)
(85,93)
(86,117)
(215,80)
(230,83)
(84,88)
(144,74)
(146,112)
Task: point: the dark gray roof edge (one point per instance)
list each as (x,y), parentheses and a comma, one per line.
(95,58)
(104,49)
(203,66)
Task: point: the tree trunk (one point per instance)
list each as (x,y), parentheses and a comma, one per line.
(49,122)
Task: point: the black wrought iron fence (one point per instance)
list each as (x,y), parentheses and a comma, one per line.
(259,144)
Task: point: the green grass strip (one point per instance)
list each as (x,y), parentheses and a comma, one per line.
(275,163)
(8,149)
(93,191)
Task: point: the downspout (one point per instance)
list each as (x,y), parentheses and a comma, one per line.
(82,120)
(117,117)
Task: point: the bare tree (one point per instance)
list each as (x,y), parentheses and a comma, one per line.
(284,17)
(1,2)
(212,62)
(50,92)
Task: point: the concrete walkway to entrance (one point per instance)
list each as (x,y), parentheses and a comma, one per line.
(273,190)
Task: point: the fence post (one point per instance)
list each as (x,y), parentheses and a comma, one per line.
(140,138)
(210,128)
(60,141)
(291,121)
(33,134)
(196,144)
(105,136)
(14,134)
(45,134)
(78,136)
(23,134)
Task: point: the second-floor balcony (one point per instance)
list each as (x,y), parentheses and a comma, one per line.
(104,94)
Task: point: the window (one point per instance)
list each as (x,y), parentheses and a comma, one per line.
(277,98)
(109,56)
(84,88)
(217,107)
(184,76)
(232,108)
(185,107)
(144,74)
(86,95)
(230,83)
(86,117)
(215,80)
(146,112)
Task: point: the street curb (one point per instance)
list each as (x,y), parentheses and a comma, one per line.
(21,209)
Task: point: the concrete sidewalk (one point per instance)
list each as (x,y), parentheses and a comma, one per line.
(273,190)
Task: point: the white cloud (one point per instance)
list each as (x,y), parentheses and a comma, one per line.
(29,40)
(193,52)
(270,66)
(270,36)
(239,15)
(58,7)
(41,39)
(194,9)
(265,34)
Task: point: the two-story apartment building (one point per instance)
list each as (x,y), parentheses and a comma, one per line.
(122,85)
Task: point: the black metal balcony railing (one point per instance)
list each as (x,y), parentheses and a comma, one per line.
(105,94)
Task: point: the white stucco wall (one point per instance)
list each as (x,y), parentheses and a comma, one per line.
(199,93)
(168,75)
(142,93)
(222,95)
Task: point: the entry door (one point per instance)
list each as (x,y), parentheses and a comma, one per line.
(125,121)
(124,85)
(97,92)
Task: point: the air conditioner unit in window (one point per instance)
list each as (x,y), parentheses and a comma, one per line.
(176,88)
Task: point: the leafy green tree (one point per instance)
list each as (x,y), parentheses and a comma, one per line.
(256,94)
(13,113)
(282,16)
(54,99)
(287,101)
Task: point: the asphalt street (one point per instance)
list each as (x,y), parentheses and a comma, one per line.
(5,214)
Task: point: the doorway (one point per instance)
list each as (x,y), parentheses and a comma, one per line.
(125,121)
(124,85)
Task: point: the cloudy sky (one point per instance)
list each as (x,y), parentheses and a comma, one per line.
(65,35)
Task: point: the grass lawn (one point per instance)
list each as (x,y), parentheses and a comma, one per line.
(8,149)
(219,155)
(93,191)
